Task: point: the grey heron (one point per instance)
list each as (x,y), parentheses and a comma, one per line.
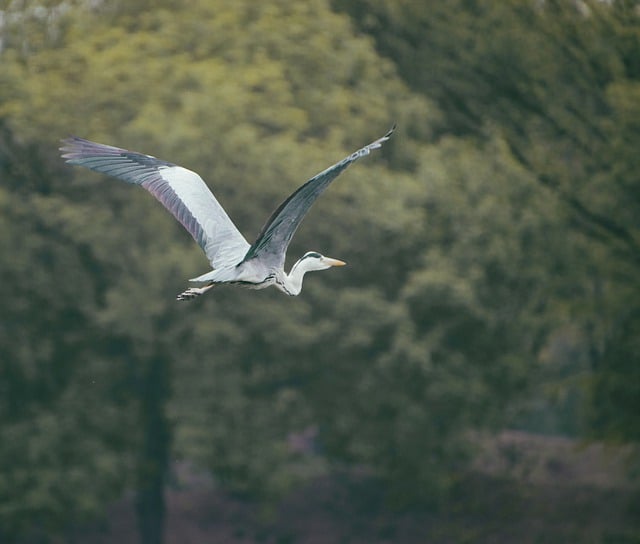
(187,197)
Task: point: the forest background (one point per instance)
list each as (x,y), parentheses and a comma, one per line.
(490,308)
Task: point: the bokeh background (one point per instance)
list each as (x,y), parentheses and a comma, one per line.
(473,375)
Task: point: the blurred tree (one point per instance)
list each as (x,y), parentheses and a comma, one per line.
(274,116)
(63,410)
(461,263)
(558,81)
(455,346)
(615,391)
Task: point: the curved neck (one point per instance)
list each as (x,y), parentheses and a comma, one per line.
(292,284)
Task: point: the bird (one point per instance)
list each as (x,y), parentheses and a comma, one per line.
(186,196)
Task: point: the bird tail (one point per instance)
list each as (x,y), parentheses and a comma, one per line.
(194,292)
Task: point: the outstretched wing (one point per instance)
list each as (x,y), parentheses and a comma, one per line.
(272,242)
(179,190)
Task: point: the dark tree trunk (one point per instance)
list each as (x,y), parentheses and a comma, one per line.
(154,455)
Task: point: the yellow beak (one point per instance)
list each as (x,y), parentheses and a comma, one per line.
(334,262)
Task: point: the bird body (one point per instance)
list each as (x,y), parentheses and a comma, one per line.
(251,274)
(186,196)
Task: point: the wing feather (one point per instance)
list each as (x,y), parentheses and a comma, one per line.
(182,192)
(272,242)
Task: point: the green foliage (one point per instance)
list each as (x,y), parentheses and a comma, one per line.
(452,348)
(615,390)
(63,435)
(245,109)
(557,81)
(493,221)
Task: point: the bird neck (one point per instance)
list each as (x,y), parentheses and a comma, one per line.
(293,280)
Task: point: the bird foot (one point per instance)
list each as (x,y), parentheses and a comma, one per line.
(194,292)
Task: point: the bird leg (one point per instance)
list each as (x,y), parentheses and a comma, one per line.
(194,292)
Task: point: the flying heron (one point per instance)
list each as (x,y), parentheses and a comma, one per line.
(190,201)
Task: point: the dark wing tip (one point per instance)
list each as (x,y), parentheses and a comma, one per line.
(378,143)
(70,146)
(75,147)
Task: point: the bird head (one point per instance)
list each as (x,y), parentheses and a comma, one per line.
(309,262)
(313,260)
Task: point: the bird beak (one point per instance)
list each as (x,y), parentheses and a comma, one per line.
(334,262)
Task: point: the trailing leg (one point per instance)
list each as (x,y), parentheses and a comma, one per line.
(194,292)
